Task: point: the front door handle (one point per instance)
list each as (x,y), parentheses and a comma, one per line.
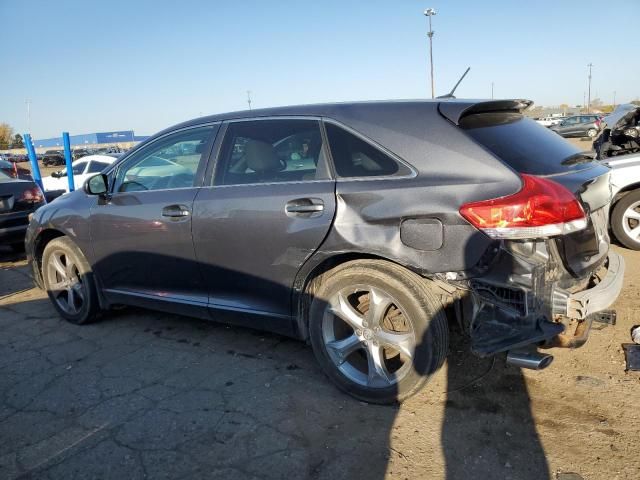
(304,205)
(176,211)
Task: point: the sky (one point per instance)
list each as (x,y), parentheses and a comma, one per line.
(89,66)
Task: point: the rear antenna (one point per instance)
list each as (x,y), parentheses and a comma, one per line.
(450,94)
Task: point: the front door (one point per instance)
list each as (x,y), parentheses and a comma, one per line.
(141,234)
(269,207)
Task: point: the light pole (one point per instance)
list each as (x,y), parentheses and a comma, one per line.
(249,98)
(28,102)
(589,97)
(614,99)
(430,12)
(491,90)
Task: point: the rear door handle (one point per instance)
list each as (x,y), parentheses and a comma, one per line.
(176,211)
(304,205)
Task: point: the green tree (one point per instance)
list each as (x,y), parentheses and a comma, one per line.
(5,135)
(17,141)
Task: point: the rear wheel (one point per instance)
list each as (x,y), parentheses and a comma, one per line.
(625,220)
(376,330)
(69,281)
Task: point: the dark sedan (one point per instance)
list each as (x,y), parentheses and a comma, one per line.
(18,198)
(362,228)
(13,170)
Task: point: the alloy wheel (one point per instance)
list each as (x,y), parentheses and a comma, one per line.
(65,282)
(368,337)
(631,221)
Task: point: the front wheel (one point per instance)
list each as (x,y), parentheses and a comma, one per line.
(625,220)
(592,132)
(376,330)
(69,281)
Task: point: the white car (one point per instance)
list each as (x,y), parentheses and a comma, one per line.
(83,168)
(549,121)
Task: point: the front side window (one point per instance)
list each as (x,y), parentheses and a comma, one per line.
(353,157)
(268,151)
(170,162)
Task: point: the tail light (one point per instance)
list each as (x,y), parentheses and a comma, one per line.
(32,195)
(542,208)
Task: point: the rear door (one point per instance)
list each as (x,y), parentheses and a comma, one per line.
(527,148)
(269,206)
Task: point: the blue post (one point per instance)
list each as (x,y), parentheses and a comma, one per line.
(35,169)
(67,159)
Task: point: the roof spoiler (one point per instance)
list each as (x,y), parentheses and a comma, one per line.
(456,111)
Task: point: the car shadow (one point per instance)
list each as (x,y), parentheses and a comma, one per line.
(179,397)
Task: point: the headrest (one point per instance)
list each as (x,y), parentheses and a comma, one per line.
(261,157)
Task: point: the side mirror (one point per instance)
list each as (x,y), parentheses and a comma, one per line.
(97,185)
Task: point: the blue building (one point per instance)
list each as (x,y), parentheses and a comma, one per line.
(91,139)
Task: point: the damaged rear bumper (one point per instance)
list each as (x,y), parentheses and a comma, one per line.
(551,313)
(587,302)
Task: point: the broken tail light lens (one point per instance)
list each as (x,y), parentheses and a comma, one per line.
(32,195)
(542,208)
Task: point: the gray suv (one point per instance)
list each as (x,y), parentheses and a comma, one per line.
(365,229)
(578,126)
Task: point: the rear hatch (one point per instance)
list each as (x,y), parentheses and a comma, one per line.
(529,148)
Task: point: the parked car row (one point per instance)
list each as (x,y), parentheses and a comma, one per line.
(331,224)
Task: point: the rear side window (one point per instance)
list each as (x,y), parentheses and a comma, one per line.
(353,157)
(523,144)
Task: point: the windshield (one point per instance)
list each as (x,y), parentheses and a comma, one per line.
(523,144)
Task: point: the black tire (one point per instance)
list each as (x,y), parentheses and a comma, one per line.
(421,313)
(592,132)
(619,223)
(82,305)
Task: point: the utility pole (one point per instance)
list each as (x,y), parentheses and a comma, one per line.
(28,102)
(614,99)
(249,98)
(491,90)
(589,98)
(430,12)
(584,100)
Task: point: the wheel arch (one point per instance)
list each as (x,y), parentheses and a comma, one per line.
(313,269)
(619,195)
(41,241)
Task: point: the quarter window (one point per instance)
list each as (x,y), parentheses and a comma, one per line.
(353,157)
(268,151)
(171,162)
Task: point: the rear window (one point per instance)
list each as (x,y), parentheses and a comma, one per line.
(523,144)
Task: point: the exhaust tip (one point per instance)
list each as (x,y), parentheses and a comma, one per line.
(530,360)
